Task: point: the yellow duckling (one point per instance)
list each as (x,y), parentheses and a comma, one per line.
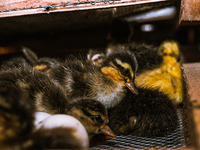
(167,77)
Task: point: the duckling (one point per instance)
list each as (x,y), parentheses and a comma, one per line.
(107,84)
(126,117)
(17,125)
(150,113)
(49,97)
(16,118)
(159,67)
(167,76)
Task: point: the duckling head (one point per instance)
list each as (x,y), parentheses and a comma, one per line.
(169,48)
(121,67)
(93,115)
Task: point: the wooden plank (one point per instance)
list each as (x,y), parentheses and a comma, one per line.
(10,5)
(191,73)
(190,10)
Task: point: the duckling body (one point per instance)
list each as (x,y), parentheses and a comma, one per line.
(152,112)
(18,130)
(149,113)
(159,67)
(167,77)
(107,84)
(49,97)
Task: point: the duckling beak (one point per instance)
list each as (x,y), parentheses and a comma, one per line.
(108,132)
(130,85)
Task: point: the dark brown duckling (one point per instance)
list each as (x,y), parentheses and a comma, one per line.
(149,113)
(17,130)
(48,96)
(107,84)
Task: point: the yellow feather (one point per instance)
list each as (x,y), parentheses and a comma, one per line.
(113,73)
(167,78)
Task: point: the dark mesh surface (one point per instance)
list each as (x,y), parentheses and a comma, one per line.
(175,140)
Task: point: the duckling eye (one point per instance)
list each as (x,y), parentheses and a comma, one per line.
(96,118)
(126,71)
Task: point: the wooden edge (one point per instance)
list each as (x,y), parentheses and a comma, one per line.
(191,72)
(73,8)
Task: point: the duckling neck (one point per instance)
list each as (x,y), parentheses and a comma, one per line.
(169,60)
(107,91)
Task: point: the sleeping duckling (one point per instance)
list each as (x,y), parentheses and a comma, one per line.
(93,115)
(140,114)
(149,113)
(158,67)
(107,84)
(18,131)
(167,76)
(48,96)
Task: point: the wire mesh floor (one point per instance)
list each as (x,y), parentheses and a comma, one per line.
(175,140)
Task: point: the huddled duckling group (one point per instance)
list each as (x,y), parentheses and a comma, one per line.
(128,89)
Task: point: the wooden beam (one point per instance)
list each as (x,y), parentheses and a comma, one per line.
(12,8)
(190,10)
(191,73)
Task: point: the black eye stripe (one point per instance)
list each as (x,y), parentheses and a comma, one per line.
(86,112)
(93,117)
(122,69)
(118,66)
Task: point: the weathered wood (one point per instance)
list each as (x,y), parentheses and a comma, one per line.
(191,73)
(190,10)
(22,7)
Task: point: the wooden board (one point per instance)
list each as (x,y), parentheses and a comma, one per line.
(11,8)
(190,10)
(191,73)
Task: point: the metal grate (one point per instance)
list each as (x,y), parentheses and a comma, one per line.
(175,140)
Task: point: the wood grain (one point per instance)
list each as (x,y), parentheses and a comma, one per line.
(190,10)
(22,4)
